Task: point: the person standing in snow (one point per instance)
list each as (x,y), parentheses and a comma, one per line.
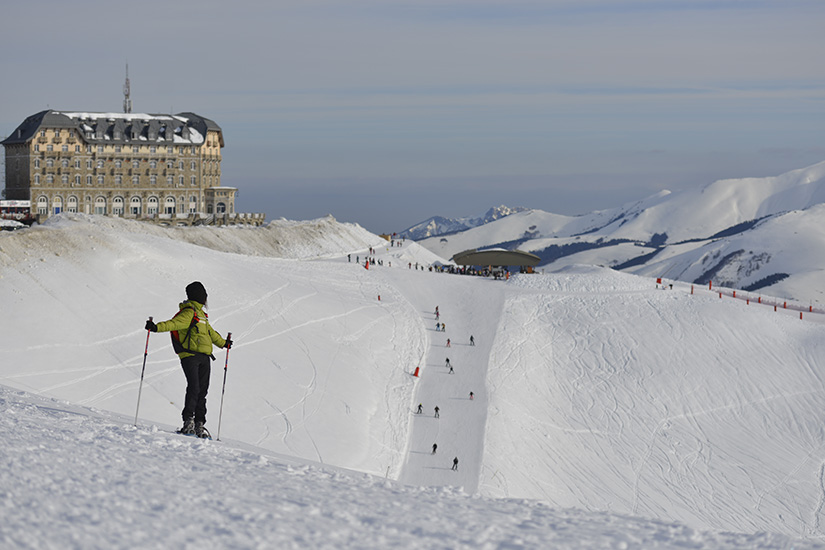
(436,412)
(420,408)
(435,446)
(451,370)
(472,340)
(455,464)
(448,342)
(438,327)
(195,337)
(471,396)
(448,362)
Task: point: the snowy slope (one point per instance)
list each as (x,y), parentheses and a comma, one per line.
(720,217)
(79,478)
(599,397)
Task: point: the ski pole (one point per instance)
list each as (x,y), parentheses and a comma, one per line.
(223,389)
(140,387)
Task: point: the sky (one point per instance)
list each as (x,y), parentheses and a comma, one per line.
(385,113)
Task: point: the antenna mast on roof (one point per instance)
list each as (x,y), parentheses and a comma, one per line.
(127,101)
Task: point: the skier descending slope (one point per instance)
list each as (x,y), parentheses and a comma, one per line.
(192,338)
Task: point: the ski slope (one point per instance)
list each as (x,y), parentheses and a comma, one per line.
(595,391)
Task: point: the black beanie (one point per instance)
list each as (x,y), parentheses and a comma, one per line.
(196,292)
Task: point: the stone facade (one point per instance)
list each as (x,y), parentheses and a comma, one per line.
(161,168)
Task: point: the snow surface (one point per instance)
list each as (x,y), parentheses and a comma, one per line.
(742,231)
(608,412)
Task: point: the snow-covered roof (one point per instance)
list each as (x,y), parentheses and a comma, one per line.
(183,128)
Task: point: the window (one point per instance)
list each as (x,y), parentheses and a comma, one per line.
(169,206)
(194,180)
(180,165)
(194,150)
(136,164)
(170,165)
(37,163)
(153,164)
(134,206)
(170,181)
(153,205)
(180,181)
(100,206)
(117,148)
(57,133)
(65,148)
(153,180)
(99,148)
(153,149)
(42,205)
(36,148)
(49,163)
(77,163)
(71,204)
(192,165)
(50,179)
(57,205)
(135,149)
(64,163)
(49,147)
(135,180)
(77,148)
(118,180)
(100,164)
(37,179)
(77,180)
(100,180)
(88,180)
(170,150)
(42,133)
(89,164)
(64,179)
(117,206)
(118,163)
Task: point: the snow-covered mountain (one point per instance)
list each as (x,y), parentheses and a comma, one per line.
(606,412)
(438,225)
(749,233)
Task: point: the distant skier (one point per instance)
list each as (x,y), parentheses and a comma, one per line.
(436,412)
(443,327)
(455,464)
(448,362)
(435,446)
(472,340)
(420,408)
(349,257)
(471,396)
(448,342)
(438,327)
(451,370)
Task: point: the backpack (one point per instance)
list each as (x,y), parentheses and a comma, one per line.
(177,343)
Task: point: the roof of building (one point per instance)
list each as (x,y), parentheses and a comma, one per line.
(119,128)
(496,256)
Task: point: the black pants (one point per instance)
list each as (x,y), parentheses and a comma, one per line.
(196,369)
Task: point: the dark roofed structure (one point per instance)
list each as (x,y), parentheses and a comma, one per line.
(496,257)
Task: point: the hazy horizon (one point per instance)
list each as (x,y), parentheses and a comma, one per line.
(387,114)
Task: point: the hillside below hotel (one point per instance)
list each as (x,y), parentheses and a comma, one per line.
(161,168)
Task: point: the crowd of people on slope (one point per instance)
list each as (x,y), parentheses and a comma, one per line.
(440,327)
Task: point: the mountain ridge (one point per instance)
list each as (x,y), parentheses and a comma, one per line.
(678,234)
